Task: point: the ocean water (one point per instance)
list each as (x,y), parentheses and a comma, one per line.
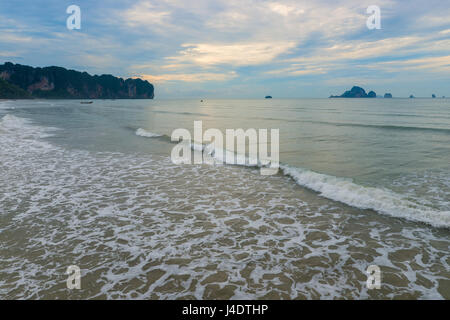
(362,182)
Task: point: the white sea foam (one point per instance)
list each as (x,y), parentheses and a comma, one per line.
(224,156)
(343,190)
(434,184)
(195,146)
(144,133)
(142,227)
(6,105)
(10,122)
(22,127)
(381,200)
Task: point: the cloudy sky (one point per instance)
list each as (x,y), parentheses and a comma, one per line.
(240,48)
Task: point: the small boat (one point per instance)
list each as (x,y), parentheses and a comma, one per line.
(87,102)
(268,97)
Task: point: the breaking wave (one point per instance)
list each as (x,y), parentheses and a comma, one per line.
(340,189)
(144,133)
(142,227)
(383,201)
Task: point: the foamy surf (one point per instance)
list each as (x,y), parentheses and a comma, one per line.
(223,156)
(12,122)
(157,230)
(5,105)
(144,133)
(383,201)
(23,127)
(343,190)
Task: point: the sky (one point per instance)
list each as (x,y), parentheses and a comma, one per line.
(240,48)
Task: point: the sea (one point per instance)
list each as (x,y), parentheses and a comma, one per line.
(363,185)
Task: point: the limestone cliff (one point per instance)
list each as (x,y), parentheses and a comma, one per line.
(60,83)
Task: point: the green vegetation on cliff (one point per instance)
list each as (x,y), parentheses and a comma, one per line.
(356,92)
(10,91)
(60,83)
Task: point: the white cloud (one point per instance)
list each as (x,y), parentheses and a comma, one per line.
(236,54)
(298,70)
(285,10)
(8,54)
(340,55)
(428,64)
(144,14)
(14,37)
(190,77)
(202,40)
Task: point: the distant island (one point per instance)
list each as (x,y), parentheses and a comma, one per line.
(356,92)
(25,82)
(388,95)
